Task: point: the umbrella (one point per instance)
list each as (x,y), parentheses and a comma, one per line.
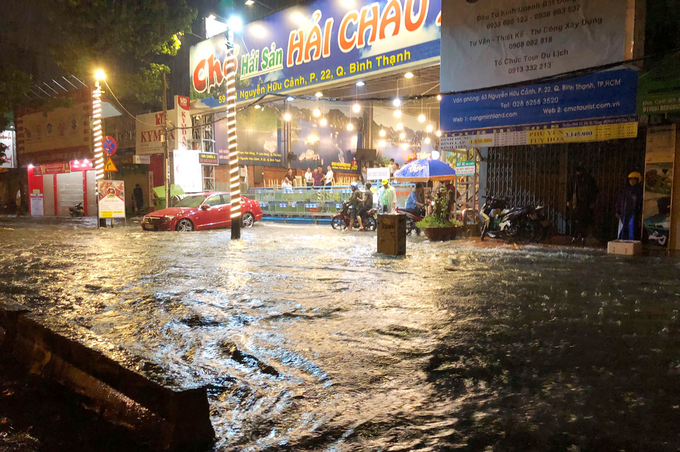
(174,191)
(423,170)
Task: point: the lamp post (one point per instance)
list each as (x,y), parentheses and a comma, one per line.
(97,126)
(234,176)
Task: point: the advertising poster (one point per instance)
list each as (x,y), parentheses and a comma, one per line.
(183,123)
(659,90)
(188,171)
(660,158)
(595,107)
(495,43)
(257,137)
(37,204)
(111,195)
(322,42)
(9,160)
(149,129)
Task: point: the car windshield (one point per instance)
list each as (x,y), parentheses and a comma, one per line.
(191,201)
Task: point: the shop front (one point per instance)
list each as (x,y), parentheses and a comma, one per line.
(338,86)
(54,187)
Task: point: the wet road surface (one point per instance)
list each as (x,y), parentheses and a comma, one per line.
(309,340)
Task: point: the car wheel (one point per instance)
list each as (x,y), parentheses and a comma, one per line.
(185,226)
(248,220)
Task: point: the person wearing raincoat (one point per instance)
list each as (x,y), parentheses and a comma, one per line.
(386,197)
(629,209)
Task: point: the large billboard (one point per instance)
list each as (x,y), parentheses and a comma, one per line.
(494,43)
(318,43)
(595,107)
(9,159)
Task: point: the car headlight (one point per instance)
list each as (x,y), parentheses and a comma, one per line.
(168,218)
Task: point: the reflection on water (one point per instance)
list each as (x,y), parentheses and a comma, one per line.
(309,340)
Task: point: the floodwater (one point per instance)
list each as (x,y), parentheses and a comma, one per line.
(310,340)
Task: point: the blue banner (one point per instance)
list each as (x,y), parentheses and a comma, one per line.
(319,43)
(608,94)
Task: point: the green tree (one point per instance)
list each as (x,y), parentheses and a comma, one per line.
(128,39)
(14,84)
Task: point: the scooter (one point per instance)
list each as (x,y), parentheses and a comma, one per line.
(77,210)
(342,219)
(513,224)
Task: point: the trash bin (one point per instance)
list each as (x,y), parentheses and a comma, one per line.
(392,234)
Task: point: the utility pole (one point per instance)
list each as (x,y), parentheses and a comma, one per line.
(165,141)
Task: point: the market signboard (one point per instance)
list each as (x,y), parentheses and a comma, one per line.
(314,44)
(111,196)
(149,129)
(495,43)
(594,107)
(207,158)
(465,168)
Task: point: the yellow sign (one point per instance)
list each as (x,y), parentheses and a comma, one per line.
(110,167)
(600,132)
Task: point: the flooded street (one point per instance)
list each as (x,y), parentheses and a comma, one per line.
(310,340)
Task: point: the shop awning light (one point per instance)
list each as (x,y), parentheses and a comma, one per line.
(360,83)
(429,128)
(286,117)
(356,108)
(30,166)
(382,133)
(350,126)
(400,126)
(396,102)
(319,94)
(250,2)
(257,107)
(439,97)
(235,24)
(408,75)
(402,136)
(421,118)
(290,99)
(427,140)
(438,133)
(397,113)
(323,122)
(317,113)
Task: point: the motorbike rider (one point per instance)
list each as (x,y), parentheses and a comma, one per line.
(386,197)
(629,209)
(366,206)
(415,202)
(356,200)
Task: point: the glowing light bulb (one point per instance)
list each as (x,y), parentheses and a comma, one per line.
(323,122)
(429,128)
(396,102)
(382,143)
(408,75)
(439,97)
(400,126)
(427,140)
(319,94)
(402,136)
(356,108)
(317,113)
(421,118)
(438,133)
(286,117)
(397,113)
(436,155)
(350,126)
(360,83)
(257,107)
(382,133)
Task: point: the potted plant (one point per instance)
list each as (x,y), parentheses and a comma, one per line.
(437,226)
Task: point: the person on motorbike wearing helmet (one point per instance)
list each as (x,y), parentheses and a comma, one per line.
(629,209)
(356,200)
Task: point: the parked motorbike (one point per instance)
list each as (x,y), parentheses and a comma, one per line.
(411,220)
(512,224)
(342,219)
(77,210)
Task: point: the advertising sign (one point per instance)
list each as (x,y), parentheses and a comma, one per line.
(111,195)
(659,90)
(322,42)
(182,122)
(10,159)
(188,171)
(377,173)
(495,43)
(51,168)
(149,129)
(207,158)
(660,159)
(37,204)
(257,140)
(465,168)
(594,107)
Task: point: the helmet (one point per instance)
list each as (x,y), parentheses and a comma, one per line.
(385,182)
(354,185)
(636,175)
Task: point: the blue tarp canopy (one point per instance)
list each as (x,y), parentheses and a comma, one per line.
(423,170)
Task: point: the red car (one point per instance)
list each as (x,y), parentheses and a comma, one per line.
(201,211)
